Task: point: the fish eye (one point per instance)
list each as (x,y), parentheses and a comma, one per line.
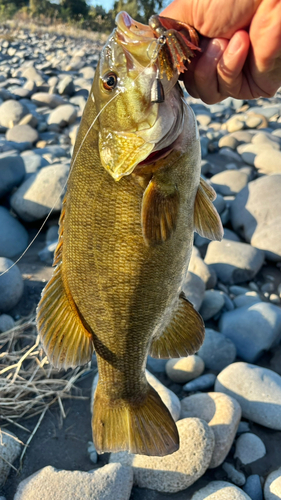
(109,81)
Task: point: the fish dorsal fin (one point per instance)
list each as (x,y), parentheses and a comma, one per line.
(207,221)
(160,207)
(66,340)
(184,334)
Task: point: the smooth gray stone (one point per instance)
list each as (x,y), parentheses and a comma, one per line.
(45,99)
(110,481)
(54,150)
(272,486)
(234,262)
(201,383)
(41,192)
(10,448)
(12,173)
(63,115)
(253,487)
(257,390)
(11,113)
(22,134)
(6,322)
(33,163)
(268,162)
(229,182)
(217,351)
(249,448)
(220,490)
(247,299)
(256,215)
(219,203)
(234,475)
(194,289)
(11,285)
(238,290)
(13,236)
(156,365)
(267,111)
(253,329)
(66,86)
(213,302)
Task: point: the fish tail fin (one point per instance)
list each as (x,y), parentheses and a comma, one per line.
(145,428)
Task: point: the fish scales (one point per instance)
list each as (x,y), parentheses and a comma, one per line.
(126,234)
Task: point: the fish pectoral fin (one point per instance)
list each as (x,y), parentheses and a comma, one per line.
(207,221)
(66,340)
(184,334)
(159,213)
(143,426)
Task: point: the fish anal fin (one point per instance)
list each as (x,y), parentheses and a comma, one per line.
(207,221)
(160,207)
(184,334)
(65,338)
(145,428)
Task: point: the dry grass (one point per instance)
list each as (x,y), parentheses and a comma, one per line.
(28,384)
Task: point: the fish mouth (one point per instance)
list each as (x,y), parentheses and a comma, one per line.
(157,155)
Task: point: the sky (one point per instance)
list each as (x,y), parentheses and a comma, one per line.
(107,4)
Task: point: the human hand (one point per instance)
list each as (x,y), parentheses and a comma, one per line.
(241,47)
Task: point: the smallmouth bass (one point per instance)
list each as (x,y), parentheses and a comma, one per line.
(134,198)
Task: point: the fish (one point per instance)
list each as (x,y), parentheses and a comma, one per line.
(134,199)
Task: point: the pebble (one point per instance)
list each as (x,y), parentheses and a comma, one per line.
(13,235)
(256,215)
(66,86)
(247,299)
(181,370)
(228,141)
(156,365)
(44,99)
(222,413)
(268,163)
(256,121)
(6,322)
(234,262)
(24,134)
(212,303)
(257,390)
(11,285)
(217,351)
(199,267)
(110,481)
(253,329)
(253,487)
(11,113)
(201,383)
(230,235)
(12,172)
(272,486)
(92,452)
(249,448)
(249,152)
(41,192)
(194,289)
(220,490)
(229,182)
(174,472)
(234,475)
(10,448)
(63,115)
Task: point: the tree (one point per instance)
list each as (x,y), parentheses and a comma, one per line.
(75,8)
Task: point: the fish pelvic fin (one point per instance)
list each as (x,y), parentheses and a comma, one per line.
(65,338)
(184,334)
(145,428)
(159,214)
(207,221)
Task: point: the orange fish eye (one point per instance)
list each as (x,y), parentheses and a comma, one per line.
(109,80)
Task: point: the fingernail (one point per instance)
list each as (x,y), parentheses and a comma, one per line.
(234,45)
(214,49)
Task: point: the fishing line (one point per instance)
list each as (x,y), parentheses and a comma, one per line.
(120,91)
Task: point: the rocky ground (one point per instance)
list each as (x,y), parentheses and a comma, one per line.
(227,398)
